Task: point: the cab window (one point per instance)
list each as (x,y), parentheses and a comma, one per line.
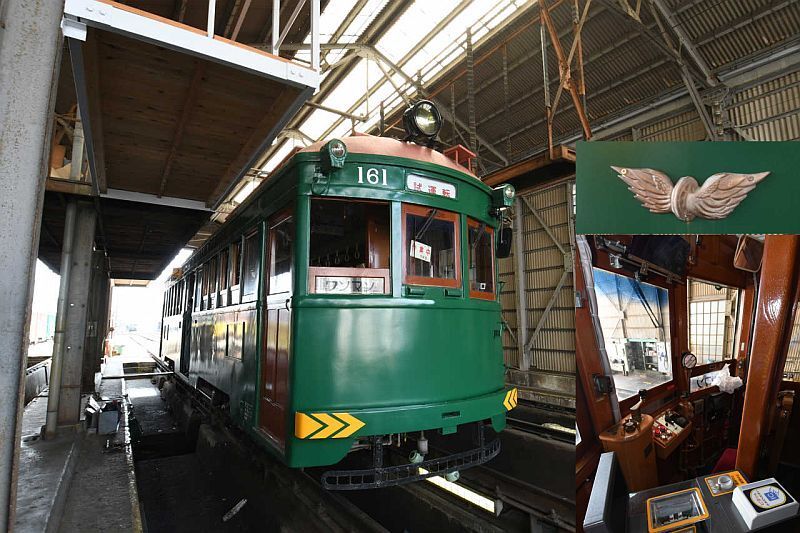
(349,248)
(481,260)
(431,255)
(713,311)
(634,318)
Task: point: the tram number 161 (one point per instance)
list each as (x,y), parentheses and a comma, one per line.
(373,176)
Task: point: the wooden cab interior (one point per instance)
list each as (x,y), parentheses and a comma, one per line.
(726,303)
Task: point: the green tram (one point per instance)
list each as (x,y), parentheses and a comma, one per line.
(349,304)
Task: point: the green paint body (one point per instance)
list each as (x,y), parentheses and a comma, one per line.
(419,358)
(606,206)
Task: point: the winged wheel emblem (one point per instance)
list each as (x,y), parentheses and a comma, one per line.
(716,199)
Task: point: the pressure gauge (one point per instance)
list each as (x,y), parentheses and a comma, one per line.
(689,360)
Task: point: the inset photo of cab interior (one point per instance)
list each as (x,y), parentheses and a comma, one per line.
(688,357)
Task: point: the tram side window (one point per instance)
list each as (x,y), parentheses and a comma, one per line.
(713,321)
(252,263)
(634,318)
(234,260)
(223,270)
(481,260)
(281,238)
(349,247)
(198,288)
(211,267)
(431,239)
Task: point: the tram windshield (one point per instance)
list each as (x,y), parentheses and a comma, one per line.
(430,240)
(349,248)
(634,317)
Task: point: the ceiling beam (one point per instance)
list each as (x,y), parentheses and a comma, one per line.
(186,113)
(144,198)
(686,42)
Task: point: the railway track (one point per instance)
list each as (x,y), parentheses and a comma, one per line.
(421,505)
(542,430)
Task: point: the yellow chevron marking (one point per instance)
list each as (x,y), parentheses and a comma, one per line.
(510,400)
(332,425)
(304,425)
(353,425)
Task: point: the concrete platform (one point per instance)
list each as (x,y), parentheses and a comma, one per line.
(78,481)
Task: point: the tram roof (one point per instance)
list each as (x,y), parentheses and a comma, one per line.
(387,146)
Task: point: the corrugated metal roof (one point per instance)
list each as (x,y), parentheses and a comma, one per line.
(624,68)
(727,30)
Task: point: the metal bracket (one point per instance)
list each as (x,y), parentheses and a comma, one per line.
(73,28)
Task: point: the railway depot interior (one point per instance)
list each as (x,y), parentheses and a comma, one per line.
(313,188)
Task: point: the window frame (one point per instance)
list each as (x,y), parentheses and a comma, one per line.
(482,295)
(199,282)
(737,317)
(235,273)
(350,272)
(442,214)
(667,388)
(276,220)
(254,232)
(213,274)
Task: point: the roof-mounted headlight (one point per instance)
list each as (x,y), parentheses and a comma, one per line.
(422,122)
(333,154)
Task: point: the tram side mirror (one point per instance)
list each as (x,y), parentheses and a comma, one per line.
(749,252)
(504,243)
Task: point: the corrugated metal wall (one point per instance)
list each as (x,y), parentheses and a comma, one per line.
(550,378)
(769,111)
(764,111)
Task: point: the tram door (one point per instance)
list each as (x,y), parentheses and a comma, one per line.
(277,326)
(186,322)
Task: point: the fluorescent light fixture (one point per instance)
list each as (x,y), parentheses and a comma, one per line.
(491,506)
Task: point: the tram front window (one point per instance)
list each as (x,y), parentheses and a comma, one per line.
(430,245)
(634,318)
(349,247)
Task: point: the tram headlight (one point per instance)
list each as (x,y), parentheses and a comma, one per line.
(333,154)
(422,121)
(503,196)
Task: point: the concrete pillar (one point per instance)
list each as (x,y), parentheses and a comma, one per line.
(30,57)
(77,306)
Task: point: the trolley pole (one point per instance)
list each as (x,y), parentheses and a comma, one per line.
(30,57)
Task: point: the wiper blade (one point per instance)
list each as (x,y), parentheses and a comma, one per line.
(426,224)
